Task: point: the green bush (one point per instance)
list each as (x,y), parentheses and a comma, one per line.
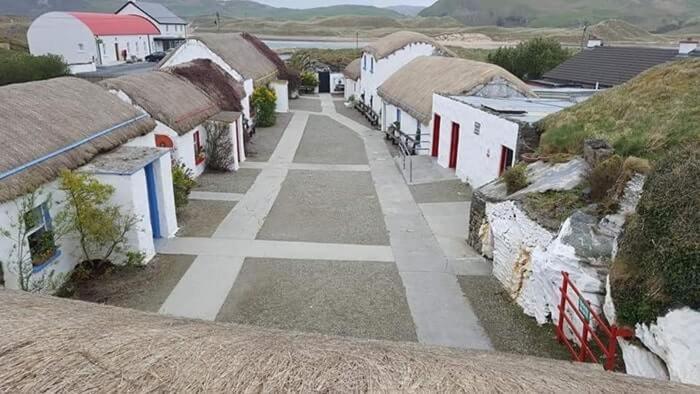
(657,267)
(515,178)
(265,101)
(530,59)
(183,183)
(309,79)
(603,177)
(16,67)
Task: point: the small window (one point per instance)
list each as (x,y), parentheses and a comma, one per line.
(81,47)
(167,27)
(42,245)
(398,116)
(199,155)
(371,65)
(477,128)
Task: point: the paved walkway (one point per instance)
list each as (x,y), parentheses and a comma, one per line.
(423,242)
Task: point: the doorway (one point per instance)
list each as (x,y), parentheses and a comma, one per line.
(454,145)
(506,160)
(116,51)
(436,135)
(324,82)
(152,192)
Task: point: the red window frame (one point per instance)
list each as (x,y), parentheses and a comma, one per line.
(436,135)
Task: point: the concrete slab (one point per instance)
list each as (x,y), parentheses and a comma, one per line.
(200,218)
(424,170)
(203,289)
(265,140)
(448,222)
(273,249)
(350,298)
(308,166)
(441,191)
(326,206)
(305,104)
(216,196)
(326,141)
(227,182)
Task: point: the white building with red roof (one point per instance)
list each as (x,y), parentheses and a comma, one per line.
(86,40)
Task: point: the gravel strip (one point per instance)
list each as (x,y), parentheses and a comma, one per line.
(305,104)
(227,182)
(326,141)
(200,218)
(265,140)
(358,299)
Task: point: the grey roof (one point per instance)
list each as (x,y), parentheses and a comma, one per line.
(608,66)
(158,12)
(125,160)
(520,109)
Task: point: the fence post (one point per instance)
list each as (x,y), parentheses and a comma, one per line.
(562,305)
(611,354)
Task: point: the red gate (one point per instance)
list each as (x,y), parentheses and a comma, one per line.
(585,314)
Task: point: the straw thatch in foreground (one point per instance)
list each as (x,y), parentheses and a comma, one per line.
(391,43)
(56,345)
(214,81)
(352,70)
(168,98)
(241,55)
(412,87)
(40,118)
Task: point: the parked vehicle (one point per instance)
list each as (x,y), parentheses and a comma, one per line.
(155,56)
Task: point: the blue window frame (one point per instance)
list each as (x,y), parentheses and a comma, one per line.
(371,65)
(398,115)
(42,244)
(364,62)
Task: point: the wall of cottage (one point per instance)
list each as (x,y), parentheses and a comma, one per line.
(138,46)
(169,30)
(60,34)
(282,91)
(352,88)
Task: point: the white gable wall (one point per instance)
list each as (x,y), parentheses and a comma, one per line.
(59,33)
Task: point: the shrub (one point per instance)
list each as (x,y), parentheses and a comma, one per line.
(657,267)
(515,178)
(530,59)
(603,177)
(219,147)
(183,183)
(551,208)
(309,79)
(265,101)
(16,67)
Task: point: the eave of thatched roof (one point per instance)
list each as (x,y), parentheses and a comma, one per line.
(391,43)
(241,55)
(412,87)
(49,120)
(168,98)
(214,81)
(352,70)
(57,345)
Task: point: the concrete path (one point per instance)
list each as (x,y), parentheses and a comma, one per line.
(424,240)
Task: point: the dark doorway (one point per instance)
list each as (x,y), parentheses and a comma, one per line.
(324,82)
(436,135)
(506,160)
(116,50)
(454,145)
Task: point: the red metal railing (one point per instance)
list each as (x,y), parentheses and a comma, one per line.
(588,334)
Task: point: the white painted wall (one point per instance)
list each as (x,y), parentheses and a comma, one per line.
(386,67)
(282,92)
(352,88)
(139,46)
(59,33)
(166,196)
(336,78)
(479,156)
(166,30)
(409,125)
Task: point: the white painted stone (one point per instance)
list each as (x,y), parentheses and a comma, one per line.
(641,362)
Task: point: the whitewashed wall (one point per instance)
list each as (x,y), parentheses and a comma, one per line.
(479,156)
(60,34)
(282,92)
(409,125)
(170,30)
(352,88)
(139,46)
(386,67)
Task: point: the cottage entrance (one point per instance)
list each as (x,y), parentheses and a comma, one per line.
(324,82)
(154,215)
(454,145)
(506,160)
(436,135)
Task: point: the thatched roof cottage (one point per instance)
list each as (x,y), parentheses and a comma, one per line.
(55,345)
(352,79)
(71,124)
(181,111)
(384,57)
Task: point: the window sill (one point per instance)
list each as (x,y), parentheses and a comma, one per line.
(50,261)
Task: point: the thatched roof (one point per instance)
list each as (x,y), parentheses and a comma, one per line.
(241,55)
(168,98)
(56,345)
(39,119)
(352,70)
(387,45)
(412,87)
(214,81)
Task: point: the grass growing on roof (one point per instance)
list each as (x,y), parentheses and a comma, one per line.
(645,117)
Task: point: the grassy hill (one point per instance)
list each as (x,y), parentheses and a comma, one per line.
(649,14)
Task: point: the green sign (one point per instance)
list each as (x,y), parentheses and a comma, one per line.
(583,307)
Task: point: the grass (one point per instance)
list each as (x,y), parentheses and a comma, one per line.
(646,117)
(551,208)
(477,54)
(515,178)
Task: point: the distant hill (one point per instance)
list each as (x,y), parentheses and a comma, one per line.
(408,10)
(191,8)
(650,14)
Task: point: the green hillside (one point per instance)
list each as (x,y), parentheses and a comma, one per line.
(650,14)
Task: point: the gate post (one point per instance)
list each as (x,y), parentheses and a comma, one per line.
(562,305)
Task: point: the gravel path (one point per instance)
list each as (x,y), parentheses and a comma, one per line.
(305,104)
(326,206)
(358,299)
(505,323)
(200,218)
(227,182)
(443,191)
(265,140)
(326,141)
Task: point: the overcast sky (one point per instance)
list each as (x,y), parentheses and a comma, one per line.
(323,3)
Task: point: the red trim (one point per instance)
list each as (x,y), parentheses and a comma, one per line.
(436,135)
(504,165)
(454,145)
(198,149)
(116,25)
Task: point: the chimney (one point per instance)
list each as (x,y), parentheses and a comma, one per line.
(593,42)
(687,46)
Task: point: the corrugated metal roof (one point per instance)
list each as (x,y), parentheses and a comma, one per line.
(115,25)
(528,110)
(158,12)
(608,66)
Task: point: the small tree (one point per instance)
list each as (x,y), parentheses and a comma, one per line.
(102,228)
(183,183)
(309,79)
(265,101)
(530,59)
(219,146)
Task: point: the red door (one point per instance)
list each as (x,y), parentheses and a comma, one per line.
(436,135)
(454,145)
